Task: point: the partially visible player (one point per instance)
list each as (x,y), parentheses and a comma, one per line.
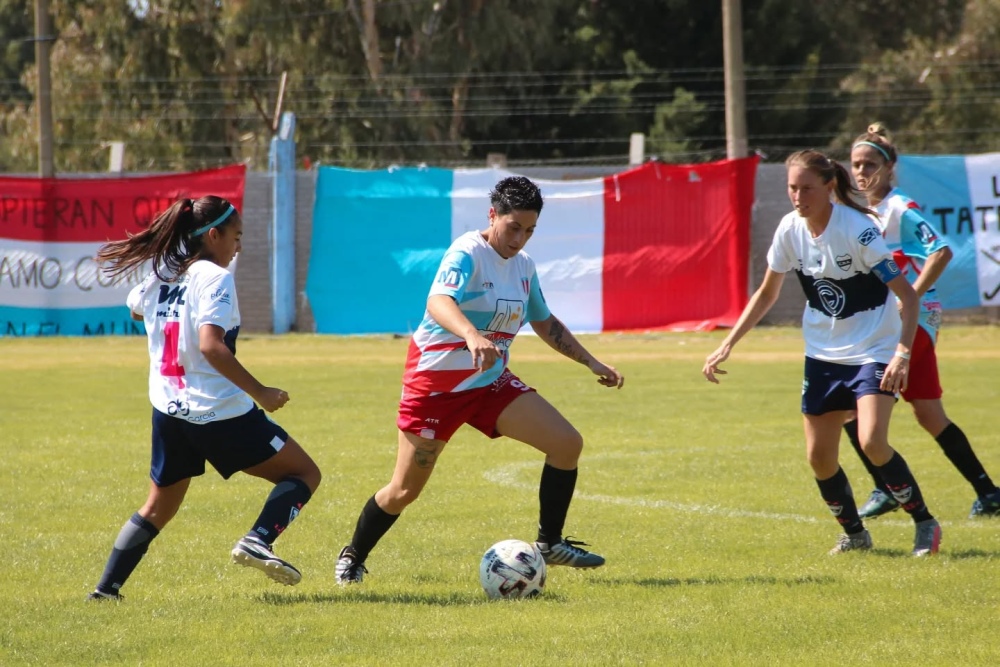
(456,373)
(922,254)
(857,349)
(203,398)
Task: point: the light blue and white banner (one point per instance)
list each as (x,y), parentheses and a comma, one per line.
(960,196)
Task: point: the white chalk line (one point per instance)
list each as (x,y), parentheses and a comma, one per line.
(509,476)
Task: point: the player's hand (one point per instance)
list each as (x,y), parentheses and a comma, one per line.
(484,352)
(711,367)
(606,375)
(896,376)
(272,398)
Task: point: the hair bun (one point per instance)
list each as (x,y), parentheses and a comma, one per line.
(879,129)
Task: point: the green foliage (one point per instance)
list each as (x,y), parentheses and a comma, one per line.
(698,495)
(187,83)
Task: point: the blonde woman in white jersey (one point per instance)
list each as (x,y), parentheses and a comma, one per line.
(922,253)
(857,349)
(202,397)
(456,373)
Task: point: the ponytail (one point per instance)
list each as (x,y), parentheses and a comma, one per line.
(830,170)
(170,241)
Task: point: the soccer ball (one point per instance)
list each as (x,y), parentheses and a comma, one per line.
(512,569)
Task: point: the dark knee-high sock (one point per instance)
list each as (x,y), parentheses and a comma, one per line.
(851,429)
(373,523)
(283,504)
(130,547)
(904,488)
(836,492)
(555,491)
(958,450)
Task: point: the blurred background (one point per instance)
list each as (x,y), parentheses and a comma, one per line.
(189,84)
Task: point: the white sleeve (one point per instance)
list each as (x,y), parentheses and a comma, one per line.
(214,301)
(780,255)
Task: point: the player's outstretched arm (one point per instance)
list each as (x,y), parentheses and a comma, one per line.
(560,339)
(756,308)
(211,343)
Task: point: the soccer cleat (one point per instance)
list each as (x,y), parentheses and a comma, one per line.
(878,503)
(568,552)
(98,595)
(857,542)
(928,538)
(349,570)
(988,505)
(253,552)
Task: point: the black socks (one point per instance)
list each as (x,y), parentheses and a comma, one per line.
(130,547)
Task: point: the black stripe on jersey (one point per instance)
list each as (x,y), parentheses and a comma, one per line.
(843,298)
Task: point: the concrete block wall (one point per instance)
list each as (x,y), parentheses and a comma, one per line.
(253,281)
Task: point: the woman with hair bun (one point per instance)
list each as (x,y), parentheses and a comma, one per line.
(922,254)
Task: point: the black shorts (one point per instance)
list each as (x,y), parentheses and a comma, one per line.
(828,386)
(181,448)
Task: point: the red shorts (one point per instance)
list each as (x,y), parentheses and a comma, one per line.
(923,383)
(438,417)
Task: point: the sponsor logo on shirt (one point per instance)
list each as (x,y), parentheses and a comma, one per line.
(450,277)
(220,295)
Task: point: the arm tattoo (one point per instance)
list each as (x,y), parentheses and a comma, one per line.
(569,347)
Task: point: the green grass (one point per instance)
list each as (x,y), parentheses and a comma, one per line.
(698,495)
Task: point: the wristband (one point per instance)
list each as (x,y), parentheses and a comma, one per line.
(902,355)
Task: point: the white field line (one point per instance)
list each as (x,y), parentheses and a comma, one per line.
(509,476)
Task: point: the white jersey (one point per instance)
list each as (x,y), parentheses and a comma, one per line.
(181,381)
(497,295)
(850,315)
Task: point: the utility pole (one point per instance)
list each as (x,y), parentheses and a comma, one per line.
(43,97)
(732,55)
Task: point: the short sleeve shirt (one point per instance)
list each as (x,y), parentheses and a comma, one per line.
(850,315)
(497,295)
(181,381)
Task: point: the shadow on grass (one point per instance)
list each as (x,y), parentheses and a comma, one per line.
(366,597)
(951,554)
(752,580)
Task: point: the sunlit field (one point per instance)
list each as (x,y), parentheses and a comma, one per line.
(698,495)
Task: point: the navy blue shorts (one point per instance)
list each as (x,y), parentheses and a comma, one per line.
(181,448)
(828,386)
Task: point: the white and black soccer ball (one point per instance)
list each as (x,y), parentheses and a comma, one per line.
(512,569)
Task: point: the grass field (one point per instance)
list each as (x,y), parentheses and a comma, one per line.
(698,495)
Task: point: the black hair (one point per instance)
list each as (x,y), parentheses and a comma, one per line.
(516,193)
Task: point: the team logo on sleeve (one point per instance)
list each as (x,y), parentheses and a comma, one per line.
(844,261)
(868,236)
(925,233)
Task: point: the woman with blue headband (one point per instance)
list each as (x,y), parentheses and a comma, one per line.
(203,398)
(922,254)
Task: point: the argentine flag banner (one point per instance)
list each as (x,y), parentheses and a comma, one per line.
(960,196)
(659,246)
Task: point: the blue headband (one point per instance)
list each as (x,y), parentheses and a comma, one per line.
(215,223)
(881,150)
